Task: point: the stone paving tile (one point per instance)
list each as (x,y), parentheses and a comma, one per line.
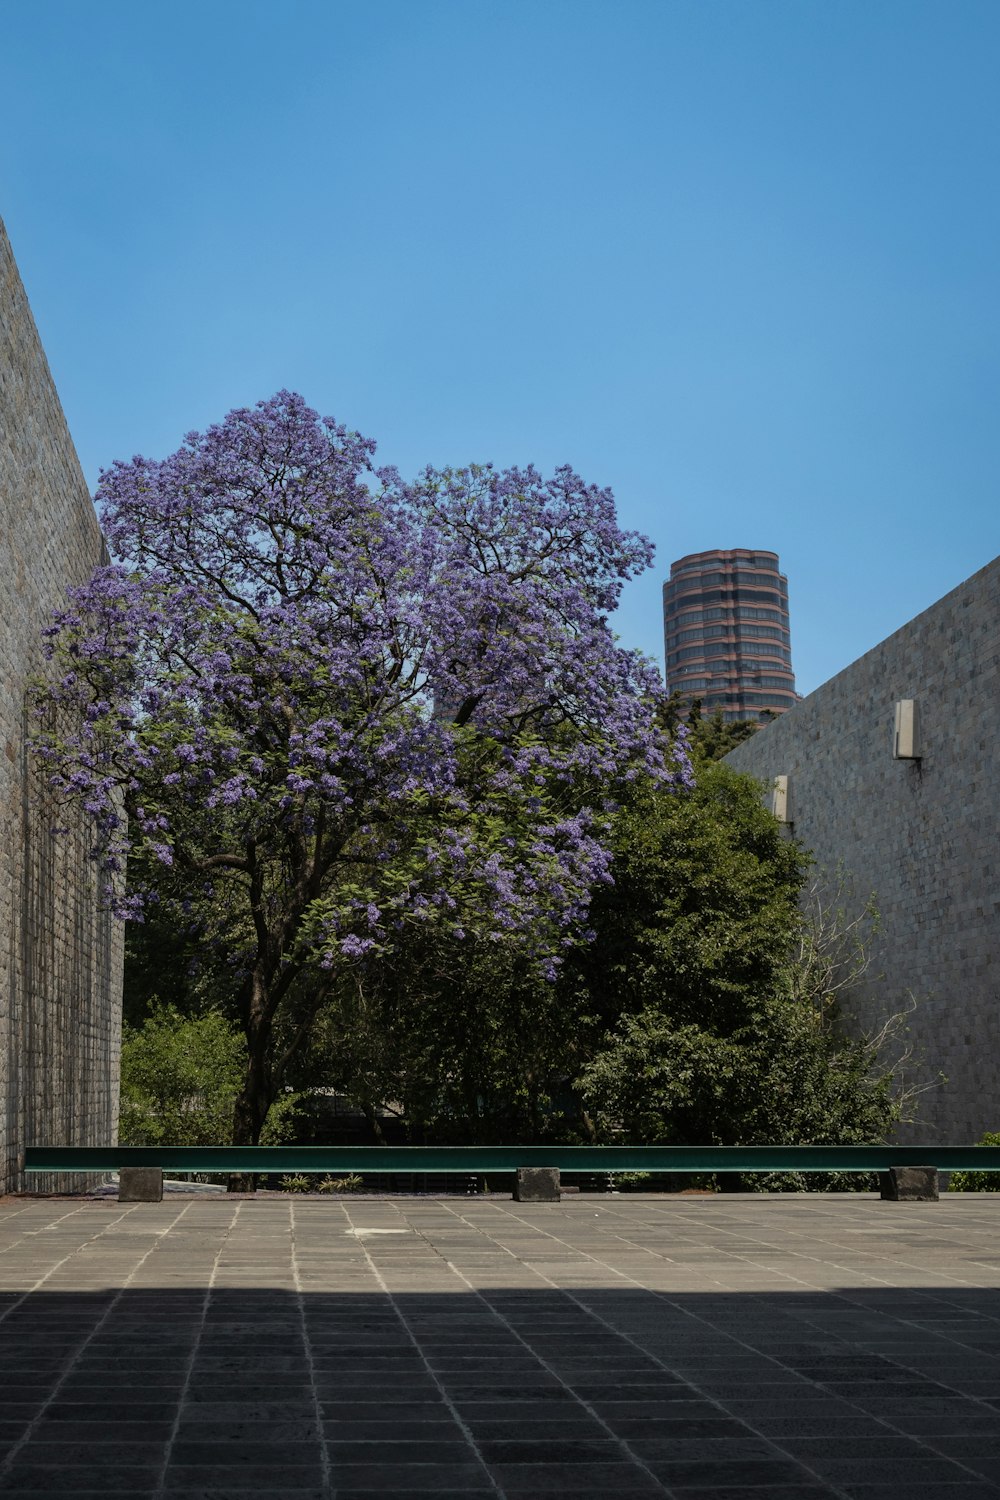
(423,1429)
(90,1491)
(433,1408)
(433,1493)
(527,1479)
(751,1492)
(56,1478)
(448,1489)
(250,1475)
(798,1348)
(432,1448)
(757,1473)
(970,1448)
(908,1490)
(385,1476)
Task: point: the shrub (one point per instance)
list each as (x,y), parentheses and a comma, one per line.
(180,1078)
(978,1182)
(349,1184)
(630,1182)
(298,1183)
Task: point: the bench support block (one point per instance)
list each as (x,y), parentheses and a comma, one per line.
(910,1184)
(537,1185)
(140,1185)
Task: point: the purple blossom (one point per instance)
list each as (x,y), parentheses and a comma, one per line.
(410,688)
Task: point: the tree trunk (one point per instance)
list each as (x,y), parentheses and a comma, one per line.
(253,1101)
(374,1123)
(534,1112)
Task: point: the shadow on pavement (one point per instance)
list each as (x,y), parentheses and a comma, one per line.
(586,1392)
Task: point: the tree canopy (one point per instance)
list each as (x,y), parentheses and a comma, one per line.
(698,1012)
(319,708)
(719,1023)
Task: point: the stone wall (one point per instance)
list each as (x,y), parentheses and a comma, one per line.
(60,954)
(924,835)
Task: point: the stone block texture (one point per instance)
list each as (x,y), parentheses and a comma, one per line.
(140,1185)
(910,1185)
(922,835)
(60,953)
(537,1185)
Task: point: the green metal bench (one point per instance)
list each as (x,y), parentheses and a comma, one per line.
(473,1160)
(906,1171)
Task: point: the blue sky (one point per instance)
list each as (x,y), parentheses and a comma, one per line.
(738,259)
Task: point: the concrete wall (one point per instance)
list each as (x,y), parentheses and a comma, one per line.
(60,955)
(923,836)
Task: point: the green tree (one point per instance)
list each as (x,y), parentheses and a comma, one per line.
(782,1077)
(465,1042)
(700,1010)
(703,1009)
(717,1027)
(306,703)
(180,1078)
(703,913)
(709,736)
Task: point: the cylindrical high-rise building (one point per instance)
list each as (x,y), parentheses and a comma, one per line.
(725,628)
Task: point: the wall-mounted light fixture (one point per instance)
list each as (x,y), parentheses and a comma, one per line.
(906,738)
(781,801)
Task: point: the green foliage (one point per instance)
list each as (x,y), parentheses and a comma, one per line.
(699,1013)
(780,1078)
(298,1183)
(978,1182)
(180,1078)
(171,960)
(631,1182)
(703,1011)
(703,915)
(181,1075)
(709,736)
(282,1120)
(158,970)
(352,1183)
(712,1033)
(465,1041)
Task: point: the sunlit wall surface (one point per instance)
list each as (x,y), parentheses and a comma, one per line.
(60,949)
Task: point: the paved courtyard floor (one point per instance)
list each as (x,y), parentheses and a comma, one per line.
(602,1347)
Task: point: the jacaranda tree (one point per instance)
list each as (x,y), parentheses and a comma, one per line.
(310,704)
